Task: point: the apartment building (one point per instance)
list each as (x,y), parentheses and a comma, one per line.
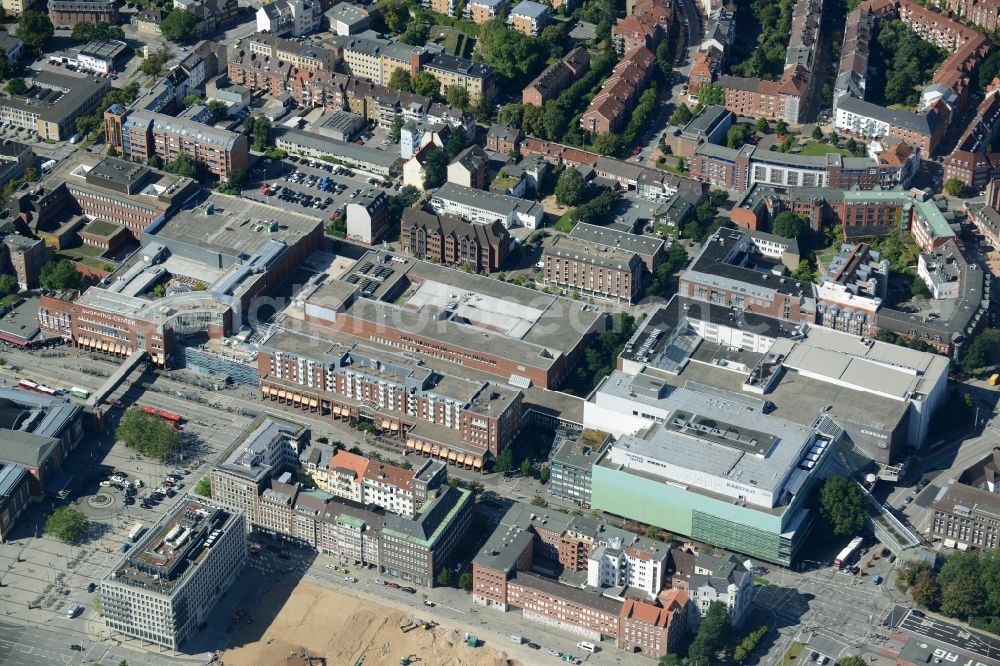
(294,18)
(644,26)
(502,139)
(773,100)
(612,565)
(171,580)
(966,511)
(17,7)
(972,161)
(454,242)
(144,134)
(984,13)
(468,169)
(481,11)
(53,102)
(368,216)
(368,57)
(722,578)
(709,125)
(397,490)
(651,629)
(299,54)
(462,422)
(67,13)
(739,169)
(476,78)
(555,78)
(483,207)
(608,111)
(529,17)
(265,449)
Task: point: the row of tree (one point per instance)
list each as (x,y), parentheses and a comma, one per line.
(967,586)
(600,357)
(767,58)
(147,434)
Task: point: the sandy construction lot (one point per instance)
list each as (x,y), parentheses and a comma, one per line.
(345,629)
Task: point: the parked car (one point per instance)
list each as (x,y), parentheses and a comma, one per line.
(91,587)
(350,579)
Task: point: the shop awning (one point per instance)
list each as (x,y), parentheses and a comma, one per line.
(949,543)
(282,394)
(410,444)
(453,456)
(426,447)
(313,402)
(393,426)
(385,425)
(477,463)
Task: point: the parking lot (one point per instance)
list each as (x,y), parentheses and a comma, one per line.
(298,184)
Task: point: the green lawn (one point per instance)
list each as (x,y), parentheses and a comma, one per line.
(792,654)
(101,228)
(815,148)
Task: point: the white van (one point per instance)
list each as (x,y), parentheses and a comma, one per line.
(588,647)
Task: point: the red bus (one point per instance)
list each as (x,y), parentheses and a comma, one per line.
(28,385)
(169,416)
(149,410)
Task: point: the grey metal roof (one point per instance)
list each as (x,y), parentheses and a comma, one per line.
(613,238)
(529,9)
(923,123)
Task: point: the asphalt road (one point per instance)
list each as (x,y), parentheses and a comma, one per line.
(953,635)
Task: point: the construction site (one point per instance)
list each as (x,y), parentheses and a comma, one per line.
(317,626)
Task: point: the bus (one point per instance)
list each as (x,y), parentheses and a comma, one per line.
(28,385)
(149,410)
(47,390)
(845,555)
(135,532)
(169,416)
(79,392)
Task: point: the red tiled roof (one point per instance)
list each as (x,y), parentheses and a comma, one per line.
(350,461)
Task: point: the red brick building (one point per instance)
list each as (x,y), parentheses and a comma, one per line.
(651,629)
(557,77)
(67,13)
(452,241)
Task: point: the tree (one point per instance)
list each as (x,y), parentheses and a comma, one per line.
(444,577)
(400,80)
(179,26)
(182,165)
(780,127)
(260,129)
(842,506)
(457,97)
(651,532)
(570,187)
(711,94)
(435,168)
(788,224)
(465,582)
(147,434)
(817,133)
(426,84)
(984,350)
(395,13)
(217,111)
(761,126)
(396,130)
(962,592)
(853,660)
(712,637)
(204,487)
(66,524)
(16,86)
(954,187)
(555,121)
(8,284)
(416,33)
(925,589)
(682,115)
(527,468)
(544,473)
(153,65)
(192,100)
(515,56)
(505,462)
(96,32)
(538,500)
(832,138)
(738,135)
(60,275)
(34,29)
(511,114)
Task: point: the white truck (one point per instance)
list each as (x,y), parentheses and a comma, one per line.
(135,532)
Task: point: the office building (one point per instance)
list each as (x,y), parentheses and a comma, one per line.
(14,496)
(39,432)
(966,510)
(345,18)
(452,241)
(67,13)
(52,103)
(601,566)
(573,455)
(265,449)
(215,264)
(171,580)
(709,125)
(365,158)
(101,57)
(592,270)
